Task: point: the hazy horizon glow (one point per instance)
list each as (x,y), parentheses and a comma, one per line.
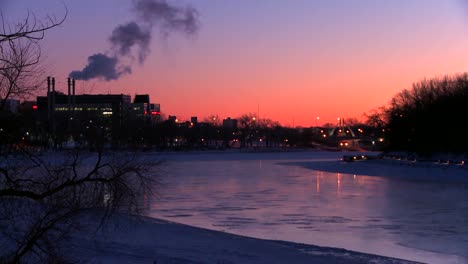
(291,61)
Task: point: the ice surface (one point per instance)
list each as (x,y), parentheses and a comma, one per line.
(392,208)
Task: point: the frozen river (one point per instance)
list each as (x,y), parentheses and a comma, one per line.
(274,196)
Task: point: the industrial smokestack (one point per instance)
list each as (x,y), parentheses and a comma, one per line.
(69,94)
(53,94)
(49,99)
(52,112)
(69,114)
(53,98)
(73,89)
(73,96)
(48,84)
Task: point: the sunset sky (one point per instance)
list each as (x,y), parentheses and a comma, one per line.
(290,60)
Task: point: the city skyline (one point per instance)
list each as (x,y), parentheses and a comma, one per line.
(292,62)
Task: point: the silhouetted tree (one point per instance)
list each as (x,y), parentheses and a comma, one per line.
(352,121)
(429,117)
(20,54)
(213,119)
(377,118)
(41,199)
(247,128)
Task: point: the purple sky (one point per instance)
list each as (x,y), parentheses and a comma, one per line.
(291,61)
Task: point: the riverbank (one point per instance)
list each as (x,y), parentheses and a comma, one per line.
(439,168)
(131,239)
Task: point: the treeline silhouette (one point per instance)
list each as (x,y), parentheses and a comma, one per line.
(23,130)
(430,117)
(427,118)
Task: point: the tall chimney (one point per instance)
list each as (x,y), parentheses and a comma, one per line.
(53,107)
(73,96)
(48,93)
(53,94)
(48,85)
(49,101)
(69,94)
(69,114)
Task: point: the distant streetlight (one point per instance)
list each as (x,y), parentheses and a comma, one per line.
(316,121)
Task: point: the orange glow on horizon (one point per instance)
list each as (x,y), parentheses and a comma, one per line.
(305,71)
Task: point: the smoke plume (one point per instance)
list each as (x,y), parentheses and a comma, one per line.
(101,65)
(135,37)
(168,17)
(124,37)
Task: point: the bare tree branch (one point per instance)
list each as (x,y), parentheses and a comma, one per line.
(20,54)
(31,29)
(55,191)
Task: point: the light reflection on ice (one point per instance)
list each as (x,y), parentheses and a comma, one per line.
(262,196)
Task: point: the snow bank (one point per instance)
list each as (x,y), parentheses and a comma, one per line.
(131,239)
(436,171)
